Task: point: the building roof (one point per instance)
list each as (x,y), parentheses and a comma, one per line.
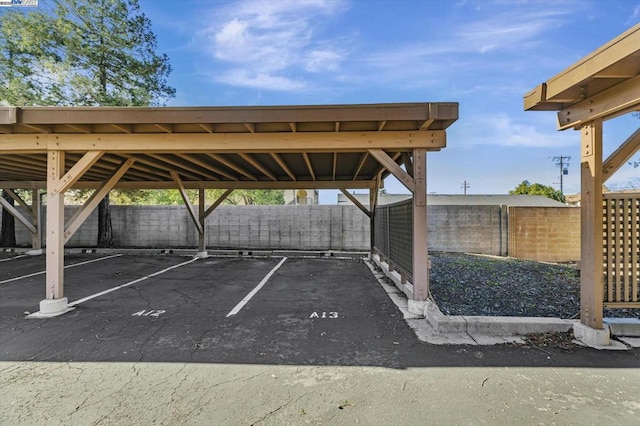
(475,200)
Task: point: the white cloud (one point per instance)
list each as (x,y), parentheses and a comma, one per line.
(267,41)
(503,130)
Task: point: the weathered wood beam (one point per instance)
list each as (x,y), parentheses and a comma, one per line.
(187,202)
(621,155)
(90,205)
(393,167)
(266,184)
(357,203)
(77,171)
(16,213)
(591,257)
(610,103)
(227,142)
(217,203)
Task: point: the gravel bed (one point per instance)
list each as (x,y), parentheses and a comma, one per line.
(466,284)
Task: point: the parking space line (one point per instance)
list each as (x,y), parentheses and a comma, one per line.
(14,257)
(66,267)
(155,274)
(255,290)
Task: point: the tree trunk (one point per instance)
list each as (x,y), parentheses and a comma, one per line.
(105,231)
(8,231)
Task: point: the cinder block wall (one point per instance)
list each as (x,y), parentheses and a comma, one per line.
(309,227)
(467,229)
(549,234)
(537,233)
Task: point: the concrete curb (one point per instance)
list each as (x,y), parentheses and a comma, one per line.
(432,326)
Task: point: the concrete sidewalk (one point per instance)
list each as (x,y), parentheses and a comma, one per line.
(205,394)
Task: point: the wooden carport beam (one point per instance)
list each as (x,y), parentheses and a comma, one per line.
(202,217)
(355,201)
(621,155)
(16,213)
(420,252)
(90,205)
(591,257)
(187,202)
(55,230)
(76,172)
(393,167)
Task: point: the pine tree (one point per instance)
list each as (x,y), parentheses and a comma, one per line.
(85,52)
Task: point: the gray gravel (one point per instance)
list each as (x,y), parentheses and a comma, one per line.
(466,284)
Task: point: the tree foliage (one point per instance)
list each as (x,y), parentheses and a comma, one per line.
(85,52)
(527,188)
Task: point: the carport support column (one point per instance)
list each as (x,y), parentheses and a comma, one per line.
(55,301)
(420,253)
(36,239)
(591,258)
(202,236)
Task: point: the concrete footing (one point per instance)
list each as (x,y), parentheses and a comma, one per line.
(592,337)
(202,254)
(52,308)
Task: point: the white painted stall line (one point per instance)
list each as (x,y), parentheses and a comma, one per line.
(13,258)
(255,290)
(66,267)
(155,274)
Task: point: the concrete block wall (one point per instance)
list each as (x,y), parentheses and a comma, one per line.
(310,227)
(550,234)
(537,233)
(467,229)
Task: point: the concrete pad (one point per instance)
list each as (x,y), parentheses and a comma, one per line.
(52,308)
(633,342)
(595,338)
(417,307)
(623,326)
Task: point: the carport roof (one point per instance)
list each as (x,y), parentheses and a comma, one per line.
(322,146)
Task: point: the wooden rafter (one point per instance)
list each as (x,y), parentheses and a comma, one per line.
(162,166)
(209,128)
(335,165)
(180,164)
(221,159)
(256,164)
(195,160)
(250,127)
(167,128)
(82,128)
(126,128)
(307,161)
(283,165)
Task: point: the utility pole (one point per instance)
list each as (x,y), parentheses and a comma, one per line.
(465,185)
(562,162)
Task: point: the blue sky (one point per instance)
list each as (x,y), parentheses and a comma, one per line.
(483,54)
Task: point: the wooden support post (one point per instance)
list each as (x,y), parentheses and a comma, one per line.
(55,227)
(36,220)
(373,202)
(202,244)
(420,253)
(591,258)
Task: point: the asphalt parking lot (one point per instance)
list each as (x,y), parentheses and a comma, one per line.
(233,310)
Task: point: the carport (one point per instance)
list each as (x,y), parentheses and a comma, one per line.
(279,147)
(601,86)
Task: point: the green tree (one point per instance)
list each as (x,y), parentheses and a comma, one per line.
(527,188)
(85,52)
